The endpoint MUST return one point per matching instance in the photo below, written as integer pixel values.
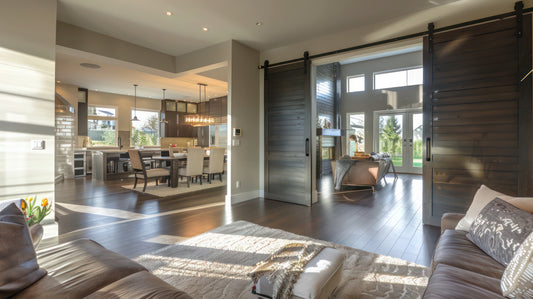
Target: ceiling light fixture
(203, 118)
(58, 81)
(135, 117)
(169, 13)
(259, 23)
(205, 29)
(163, 120)
(90, 65)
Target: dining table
(176, 162)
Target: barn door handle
(307, 147)
(428, 149)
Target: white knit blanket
(216, 265)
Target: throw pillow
(517, 280)
(499, 230)
(18, 262)
(483, 196)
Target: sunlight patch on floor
(144, 217)
(166, 239)
(116, 213)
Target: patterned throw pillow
(499, 230)
(517, 280)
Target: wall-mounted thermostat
(236, 132)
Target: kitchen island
(110, 164)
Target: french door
(399, 133)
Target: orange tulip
(44, 202)
(23, 205)
(31, 198)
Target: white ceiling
(117, 79)
(144, 22)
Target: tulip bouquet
(34, 212)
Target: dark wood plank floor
(386, 222)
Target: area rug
(215, 265)
(163, 190)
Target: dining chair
(141, 172)
(194, 166)
(216, 163)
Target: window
(356, 83)
(102, 125)
(145, 131)
(398, 78)
(356, 133)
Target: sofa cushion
(483, 196)
(18, 261)
(77, 269)
(456, 250)
(451, 282)
(139, 285)
(517, 280)
(499, 230)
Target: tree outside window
(145, 132)
(356, 126)
(390, 137)
(102, 126)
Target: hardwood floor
(386, 222)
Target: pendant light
(135, 116)
(200, 119)
(164, 120)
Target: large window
(398, 78)
(145, 131)
(356, 83)
(356, 133)
(102, 125)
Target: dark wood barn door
(288, 133)
(476, 114)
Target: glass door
(399, 133)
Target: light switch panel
(37, 145)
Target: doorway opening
(369, 108)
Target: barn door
(476, 114)
(288, 133)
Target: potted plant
(34, 211)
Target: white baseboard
(262, 193)
(237, 198)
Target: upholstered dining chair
(216, 163)
(141, 172)
(194, 166)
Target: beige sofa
(364, 173)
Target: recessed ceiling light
(90, 65)
(205, 29)
(259, 23)
(58, 81)
(169, 13)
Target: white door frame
(407, 142)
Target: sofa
(460, 268)
(84, 268)
(78, 269)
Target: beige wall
(78, 38)
(243, 107)
(27, 74)
(124, 104)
